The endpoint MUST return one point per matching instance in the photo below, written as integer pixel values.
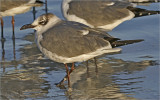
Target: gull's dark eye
(43, 22)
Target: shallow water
(131, 74)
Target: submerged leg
(3, 56)
(13, 21)
(87, 69)
(72, 68)
(14, 51)
(96, 69)
(65, 78)
(68, 76)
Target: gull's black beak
(27, 26)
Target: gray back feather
(98, 12)
(9, 4)
(65, 39)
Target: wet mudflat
(131, 74)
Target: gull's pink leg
(2, 36)
(68, 76)
(13, 21)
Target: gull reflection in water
(3, 55)
(105, 85)
(3, 62)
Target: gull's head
(43, 22)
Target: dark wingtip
(125, 42)
(27, 26)
(139, 40)
(134, 41)
(142, 12)
(38, 3)
(143, 2)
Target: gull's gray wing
(9, 4)
(98, 12)
(67, 39)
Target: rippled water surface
(131, 74)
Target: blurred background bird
(14, 7)
(103, 14)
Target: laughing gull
(69, 42)
(103, 14)
(14, 7)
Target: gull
(102, 14)
(14, 7)
(69, 42)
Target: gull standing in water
(102, 14)
(69, 42)
(14, 7)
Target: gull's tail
(124, 42)
(144, 1)
(142, 12)
(37, 3)
(116, 42)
